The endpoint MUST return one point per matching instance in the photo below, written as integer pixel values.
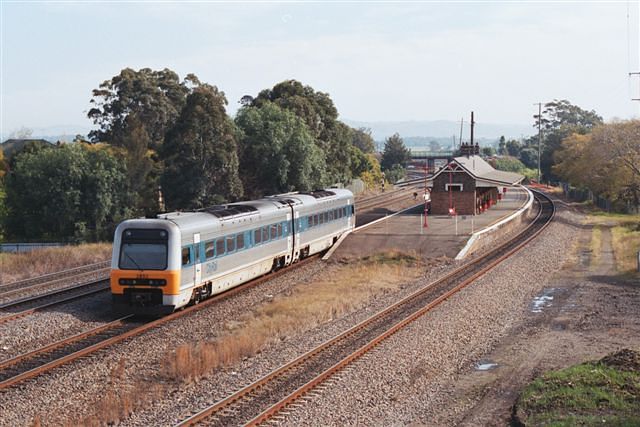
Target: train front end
(145, 267)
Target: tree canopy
(200, 154)
(395, 153)
(278, 153)
(60, 192)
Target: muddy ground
(586, 312)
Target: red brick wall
(464, 201)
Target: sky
(379, 61)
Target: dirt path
(585, 313)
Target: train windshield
(143, 250)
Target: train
(167, 262)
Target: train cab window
(231, 243)
(274, 232)
(257, 236)
(220, 247)
(186, 256)
(240, 241)
(279, 230)
(209, 249)
(265, 234)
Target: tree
(278, 153)
(155, 97)
(70, 191)
(200, 154)
(513, 148)
(395, 153)
(363, 140)
(560, 119)
(502, 146)
(488, 151)
(320, 115)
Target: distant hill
(13, 146)
(438, 129)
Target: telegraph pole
(539, 135)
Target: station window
(209, 249)
(186, 256)
(240, 241)
(220, 247)
(257, 236)
(231, 243)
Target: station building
(468, 185)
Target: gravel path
(76, 390)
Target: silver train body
(165, 263)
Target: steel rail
(456, 280)
(60, 296)
(93, 347)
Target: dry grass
(596, 245)
(626, 244)
(14, 267)
(344, 290)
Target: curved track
(264, 399)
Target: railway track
(25, 306)
(55, 278)
(266, 398)
(51, 356)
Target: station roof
(484, 174)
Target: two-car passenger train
(162, 264)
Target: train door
(196, 260)
(296, 230)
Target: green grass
(584, 394)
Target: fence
(26, 247)
(584, 194)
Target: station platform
(443, 236)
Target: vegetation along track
(44, 359)
(264, 399)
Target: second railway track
(265, 398)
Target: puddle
(485, 365)
(542, 301)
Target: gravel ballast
(417, 359)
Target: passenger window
(257, 236)
(231, 243)
(339, 213)
(186, 259)
(310, 221)
(326, 217)
(209, 250)
(274, 231)
(330, 213)
(279, 230)
(240, 241)
(197, 251)
(315, 220)
(220, 247)
(265, 234)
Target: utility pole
(539, 135)
(472, 125)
